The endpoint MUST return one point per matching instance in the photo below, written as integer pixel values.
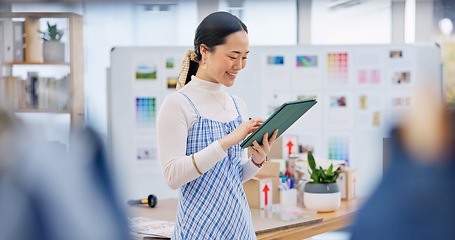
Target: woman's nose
(238, 64)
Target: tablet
(283, 118)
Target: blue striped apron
(214, 205)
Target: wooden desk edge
(299, 233)
(331, 221)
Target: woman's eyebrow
(238, 52)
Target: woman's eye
(232, 58)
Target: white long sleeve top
(175, 118)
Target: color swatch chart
(145, 111)
(306, 61)
(338, 149)
(372, 76)
(337, 67)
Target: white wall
(107, 26)
(120, 24)
(269, 22)
(366, 23)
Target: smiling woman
(200, 128)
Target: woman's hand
(240, 133)
(260, 152)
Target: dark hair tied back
(212, 31)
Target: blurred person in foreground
(416, 198)
(48, 193)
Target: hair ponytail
(191, 71)
(189, 68)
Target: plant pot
(322, 197)
(53, 51)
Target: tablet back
(286, 115)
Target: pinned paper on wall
(169, 62)
(306, 61)
(310, 141)
(337, 101)
(307, 73)
(338, 148)
(272, 101)
(370, 101)
(369, 111)
(146, 147)
(376, 118)
(265, 192)
(396, 54)
(339, 110)
(400, 101)
(313, 118)
(145, 153)
(146, 111)
(363, 103)
(401, 77)
(369, 76)
(369, 119)
(337, 68)
(145, 72)
(276, 72)
(275, 60)
(172, 82)
(397, 105)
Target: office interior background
(108, 24)
(111, 23)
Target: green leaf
(318, 174)
(311, 161)
(329, 171)
(335, 177)
(52, 33)
(315, 176)
(322, 173)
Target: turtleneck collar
(204, 85)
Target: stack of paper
(146, 227)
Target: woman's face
(225, 61)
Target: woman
(200, 128)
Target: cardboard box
(262, 189)
(284, 145)
(347, 183)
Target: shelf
(31, 110)
(33, 58)
(36, 63)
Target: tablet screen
(283, 118)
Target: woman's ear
(203, 50)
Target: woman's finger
(258, 147)
(265, 140)
(273, 137)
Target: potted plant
(321, 193)
(53, 49)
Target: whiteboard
(362, 90)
